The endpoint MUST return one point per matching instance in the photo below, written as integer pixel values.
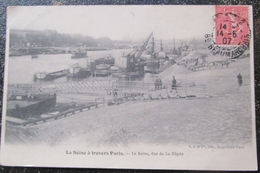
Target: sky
(116, 22)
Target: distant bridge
(137, 46)
(124, 46)
(128, 46)
(134, 46)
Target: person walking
(115, 94)
(156, 84)
(174, 84)
(239, 79)
(159, 84)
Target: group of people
(158, 84)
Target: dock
(62, 114)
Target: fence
(188, 89)
(71, 87)
(105, 87)
(134, 86)
(166, 89)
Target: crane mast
(143, 47)
(138, 54)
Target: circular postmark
(231, 34)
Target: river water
(22, 68)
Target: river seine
(22, 68)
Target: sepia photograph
(150, 87)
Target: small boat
(106, 60)
(50, 76)
(40, 75)
(79, 55)
(101, 70)
(113, 69)
(77, 71)
(102, 67)
(120, 75)
(34, 56)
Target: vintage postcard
(141, 87)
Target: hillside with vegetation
(51, 38)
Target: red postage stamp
(231, 25)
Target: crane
(134, 56)
(137, 54)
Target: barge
(50, 76)
(79, 55)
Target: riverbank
(223, 119)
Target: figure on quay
(239, 79)
(156, 86)
(160, 84)
(174, 84)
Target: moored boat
(120, 74)
(105, 60)
(77, 71)
(25, 106)
(102, 67)
(79, 55)
(113, 69)
(34, 56)
(50, 76)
